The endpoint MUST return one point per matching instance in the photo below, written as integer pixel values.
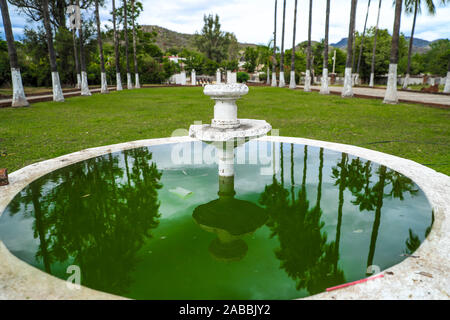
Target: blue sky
(252, 20)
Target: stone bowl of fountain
(226, 126)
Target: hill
(167, 39)
(419, 45)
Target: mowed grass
(50, 129)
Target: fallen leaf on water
(86, 195)
(426, 274)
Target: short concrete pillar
(218, 77)
(193, 78)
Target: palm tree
(116, 48)
(282, 84)
(19, 99)
(57, 91)
(137, 84)
(104, 88)
(347, 91)
(274, 62)
(414, 6)
(324, 84)
(362, 44)
(84, 80)
(372, 72)
(307, 87)
(391, 90)
(292, 83)
(125, 32)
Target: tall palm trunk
(348, 90)
(116, 49)
(362, 44)
(75, 57)
(411, 39)
(372, 68)
(391, 90)
(324, 84)
(125, 32)
(84, 80)
(292, 83)
(307, 87)
(19, 99)
(104, 87)
(282, 82)
(274, 62)
(57, 91)
(136, 71)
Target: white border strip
(19, 280)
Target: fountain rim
(408, 279)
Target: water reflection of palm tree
(93, 219)
(304, 253)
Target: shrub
(242, 77)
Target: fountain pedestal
(226, 125)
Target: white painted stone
(78, 86)
(307, 87)
(183, 78)
(84, 84)
(137, 83)
(391, 96)
(372, 78)
(406, 82)
(447, 83)
(129, 81)
(104, 88)
(57, 91)
(282, 83)
(119, 82)
(324, 89)
(218, 77)
(347, 91)
(292, 84)
(193, 78)
(274, 79)
(19, 99)
(229, 81)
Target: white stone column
(226, 160)
(292, 84)
(104, 88)
(137, 83)
(119, 82)
(347, 91)
(405, 82)
(19, 99)
(282, 83)
(57, 91)
(391, 90)
(229, 77)
(129, 81)
(218, 77)
(372, 79)
(447, 83)
(324, 89)
(274, 79)
(307, 87)
(183, 78)
(84, 84)
(193, 78)
(78, 86)
(234, 77)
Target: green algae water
(141, 226)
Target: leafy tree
(213, 42)
(251, 59)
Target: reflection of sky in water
(179, 245)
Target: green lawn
(50, 129)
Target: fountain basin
(404, 280)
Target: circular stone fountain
(301, 226)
